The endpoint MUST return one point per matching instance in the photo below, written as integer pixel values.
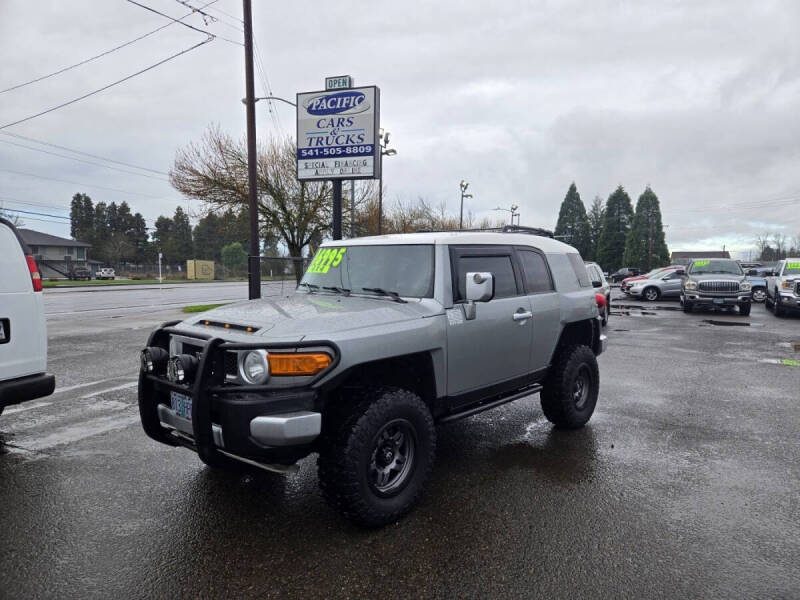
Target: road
(685, 483)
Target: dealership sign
(337, 134)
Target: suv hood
(310, 315)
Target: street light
(383, 136)
(244, 100)
(463, 185)
(513, 212)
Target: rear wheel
(570, 390)
(376, 457)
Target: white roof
(545, 244)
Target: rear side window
(537, 275)
(580, 269)
(505, 284)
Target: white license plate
(719, 301)
(181, 404)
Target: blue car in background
(757, 278)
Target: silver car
(665, 284)
(601, 286)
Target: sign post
(337, 137)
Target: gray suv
(384, 339)
(716, 282)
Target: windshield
(403, 269)
(711, 266)
(792, 267)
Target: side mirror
(479, 288)
(597, 283)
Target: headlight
(181, 368)
(690, 285)
(745, 286)
(787, 284)
(153, 360)
(254, 366)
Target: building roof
(37, 238)
(702, 254)
(545, 244)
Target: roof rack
(503, 229)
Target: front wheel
(759, 294)
(376, 457)
(651, 294)
(776, 305)
(687, 306)
(570, 390)
(744, 309)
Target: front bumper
(22, 389)
(788, 301)
(703, 299)
(261, 424)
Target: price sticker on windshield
(793, 265)
(701, 263)
(326, 259)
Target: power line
(88, 162)
(101, 55)
(42, 205)
(90, 185)
(28, 212)
(111, 160)
(105, 87)
(179, 22)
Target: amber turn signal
(298, 363)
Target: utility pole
(337, 209)
(254, 258)
(352, 208)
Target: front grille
(718, 287)
(231, 365)
(192, 349)
(797, 288)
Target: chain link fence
(273, 268)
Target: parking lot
(685, 483)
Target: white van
(23, 333)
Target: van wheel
(375, 459)
(570, 389)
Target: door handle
(522, 316)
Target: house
(55, 255)
(684, 258)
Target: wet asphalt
(685, 483)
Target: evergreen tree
(183, 248)
(645, 245)
(616, 224)
(81, 214)
(573, 225)
(595, 215)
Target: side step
(494, 403)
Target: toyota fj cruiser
(384, 338)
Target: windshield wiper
(311, 286)
(382, 292)
(337, 289)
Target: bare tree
(762, 243)
(780, 245)
(214, 170)
(15, 220)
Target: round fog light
(180, 369)
(254, 366)
(153, 360)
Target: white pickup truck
(23, 333)
(783, 287)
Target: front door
(490, 353)
(672, 284)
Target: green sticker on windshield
(325, 259)
(701, 263)
(793, 265)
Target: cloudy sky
(697, 99)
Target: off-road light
(254, 366)
(181, 368)
(153, 360)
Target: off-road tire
(348, 446)
(744, 309)
(776, 305)
(558, 397)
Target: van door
(23, 349)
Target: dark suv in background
(624, 273)
(716, 282)
(77, 273)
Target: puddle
(632, 313)
(642, 307)
(731, 323)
